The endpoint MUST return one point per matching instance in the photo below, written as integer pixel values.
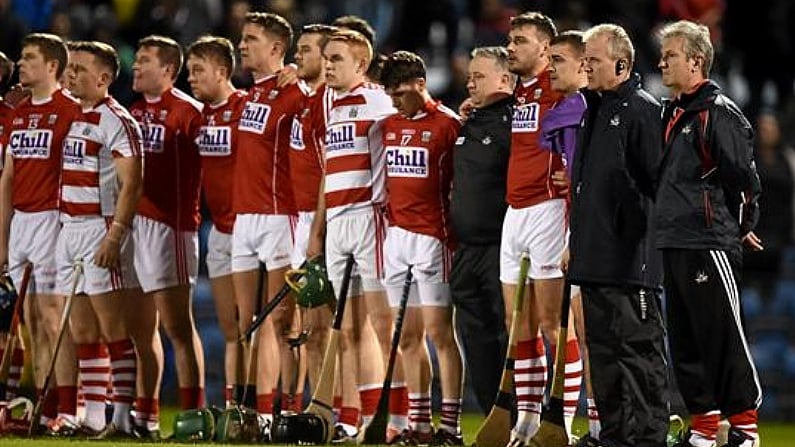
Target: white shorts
(360, 233)
(302, 229)
(219, 253)
(32, 239)
(264, 238)
(430, 262)
(164, 257)
(539, 231)
(80, 240)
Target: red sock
(531, 363)
(349, 416)
(369, 401)
(14, 372)
(265, 403)
(191, 397)
(745, 422)
(147, 412)
(573, 381)
(705, 426)
(297, 403)
(49, 408)
(67, 400)
(450, 419)
(399, 400)
(94, 375)
(419, 411)
(123, 370)
(229, 394)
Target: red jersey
(306, 144)
(6, 115)
(419, 167)
(90, 183)
(172, 168)
(530, 167)
(35, 142)
(218, 146)
(262, 177)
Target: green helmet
(194, 425)
(312, 287)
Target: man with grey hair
(706, 211)
(612, 257)
(480, 169)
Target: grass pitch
(774, 434)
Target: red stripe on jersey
(81, 209)
(357, 162)
(350, 100)
(80, 178)
(348, 196)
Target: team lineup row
(318, 159)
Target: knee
(382, 322)
(411, 341)
(442, 337)
(179, 330)
(349, 338)
(282, 318)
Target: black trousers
(711, 358)
(480, 317)
(625, 336)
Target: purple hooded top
(559, 127)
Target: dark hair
(6, 69)
(540, 21)
(323, 30)
(168, 51)
(273, 24)
(358, 24)
(51, 47)
(218, 49)
(400, 67)
(572, 38)
(103, 53)
(376, 65)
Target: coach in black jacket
(612, 256)
(480, 172)
(706, 208)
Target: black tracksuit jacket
(481, 169)
(618, 151)
(708, 185)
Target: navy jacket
(618, 151)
